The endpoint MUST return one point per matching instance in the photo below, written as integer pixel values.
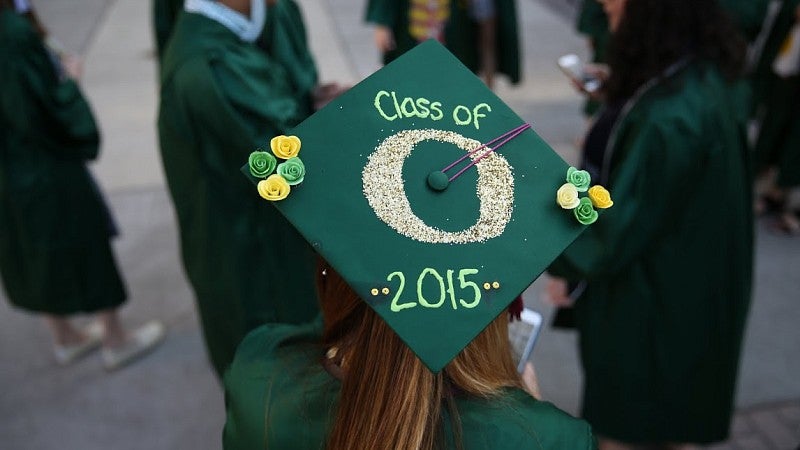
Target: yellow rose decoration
(285, 147)
(600, 197)
(274, 188)
(567, 196)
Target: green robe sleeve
(592, 19)
(384, 12)
(286, 41)
(59, 105)
(230, 110)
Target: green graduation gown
(668, 266)
(286, 42)
(778, 100)
(461, 33)
(165, 13)
(284, 39)
(747, 15)
(593, 23)
(278, 396)
(55, 255)
(221, 98)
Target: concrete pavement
(170, 400)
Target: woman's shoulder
(17, 36)
(517, 420)
(686, 104)
(697, 88)
(263, 342)
(273, 380)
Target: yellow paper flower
(274, 188)
(567, 196)
(285, 147)
(600, 197)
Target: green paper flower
(261, 164)
(292, 170)
(580, 178)
(585, 212)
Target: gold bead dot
(496, 285)
(487, 286)
(385, 291)
(374, 291)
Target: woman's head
(650, 35)
(384, 379)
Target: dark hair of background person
(655, 34)
(389, 399)
(31, 15)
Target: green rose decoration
(292, 170)
(261, 164)
(585, 212)
(580, 178)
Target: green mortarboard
(435, 253)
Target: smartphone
(523, 334)
(574, 68)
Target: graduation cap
(429, 196)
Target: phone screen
(523, 334)
(573, 67)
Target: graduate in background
(669, 268)
(481, 33)
(221, 97)
(284, 39)
(55, 254)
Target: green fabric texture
(55, 255)
(278, 396)
(461, 33)
(285, 40)
(669, 267)
(221, 98)
(165, 13)
(593, 23)
(748, 15)
(385, 228)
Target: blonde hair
(389, 399)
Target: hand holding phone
(523, 334)
(575, 69)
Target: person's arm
(488, 44)
(55, 107)
(384, 15)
